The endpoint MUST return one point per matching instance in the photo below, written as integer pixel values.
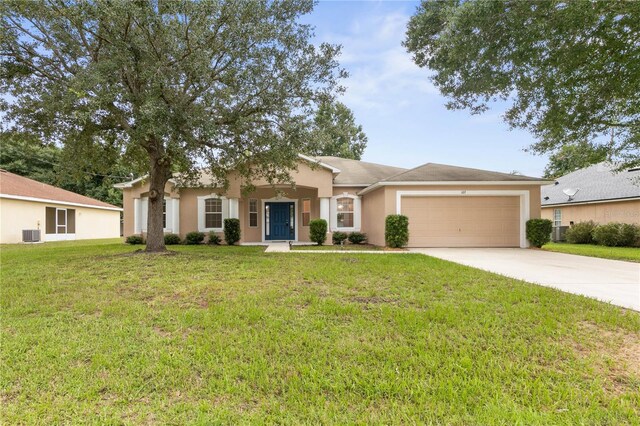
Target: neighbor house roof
(595, 183)
(433, 172)
(22, 188)
(359, 173)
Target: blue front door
(279, 221)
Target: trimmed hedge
(396, 230)
(629, 235)
(318, 231)
(232, 231)
(339, 237)
(617, 234)
(214, 239)
(539, 231)
(581, 233)
(172, 239)
(357, 238)
(134, 240)
(194, 238)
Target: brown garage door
(463, 221)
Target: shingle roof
(596, 183)
(357, 172)
(433, 172)
(20, 186)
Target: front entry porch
(280, 220)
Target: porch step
(277, 247)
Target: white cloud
(382, 75)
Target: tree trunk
(158, 177)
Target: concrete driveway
(612, 281)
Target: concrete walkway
(612, 281)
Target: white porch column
(324, 210)
(233, 208)
(175, 215)
(137, 213)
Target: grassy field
(346, 247)
(230, 335)
(631, 254)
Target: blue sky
(401, 112)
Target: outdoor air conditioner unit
(558, 232)
(30, 235)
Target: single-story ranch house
(447, 206)
(594, 193)
(53, 213)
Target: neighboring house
(26, 204)
(447, 206)
(602, 196)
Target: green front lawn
(232, 335)
(631, 254)
(346, 247)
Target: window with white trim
(213, 213)
(164, 213)
(306, 211)
(557, 217)
(345, 212)
(253, 212)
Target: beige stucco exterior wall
(619, 211)
(16, 215)
(373, 216)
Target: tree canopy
(26, 156)
(570, 158)
(171, 86)
(336, 132)
(570, 70)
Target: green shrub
(338, 237)
(134, 239)
(607, 235)
(581, 233)
(214, 239)
(193, 238)
(396, 230)
(617, 234)
(539, 231)
(629, 235)
(232, 231)
(318, 231)
(171, 239)
(357, 238)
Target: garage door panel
(487, 221)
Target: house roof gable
(595, 183)
(20, 187)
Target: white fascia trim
(578, 203)
(295, 216)
(524, 202)
(130, 184)
(320, 163)
(454, 183)
(64, 203)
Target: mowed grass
(231, 335)
(346, 247)
(631, 254)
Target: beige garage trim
(480, 219)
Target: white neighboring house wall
(17, 215)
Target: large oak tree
(174, 86)
(569, 68)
